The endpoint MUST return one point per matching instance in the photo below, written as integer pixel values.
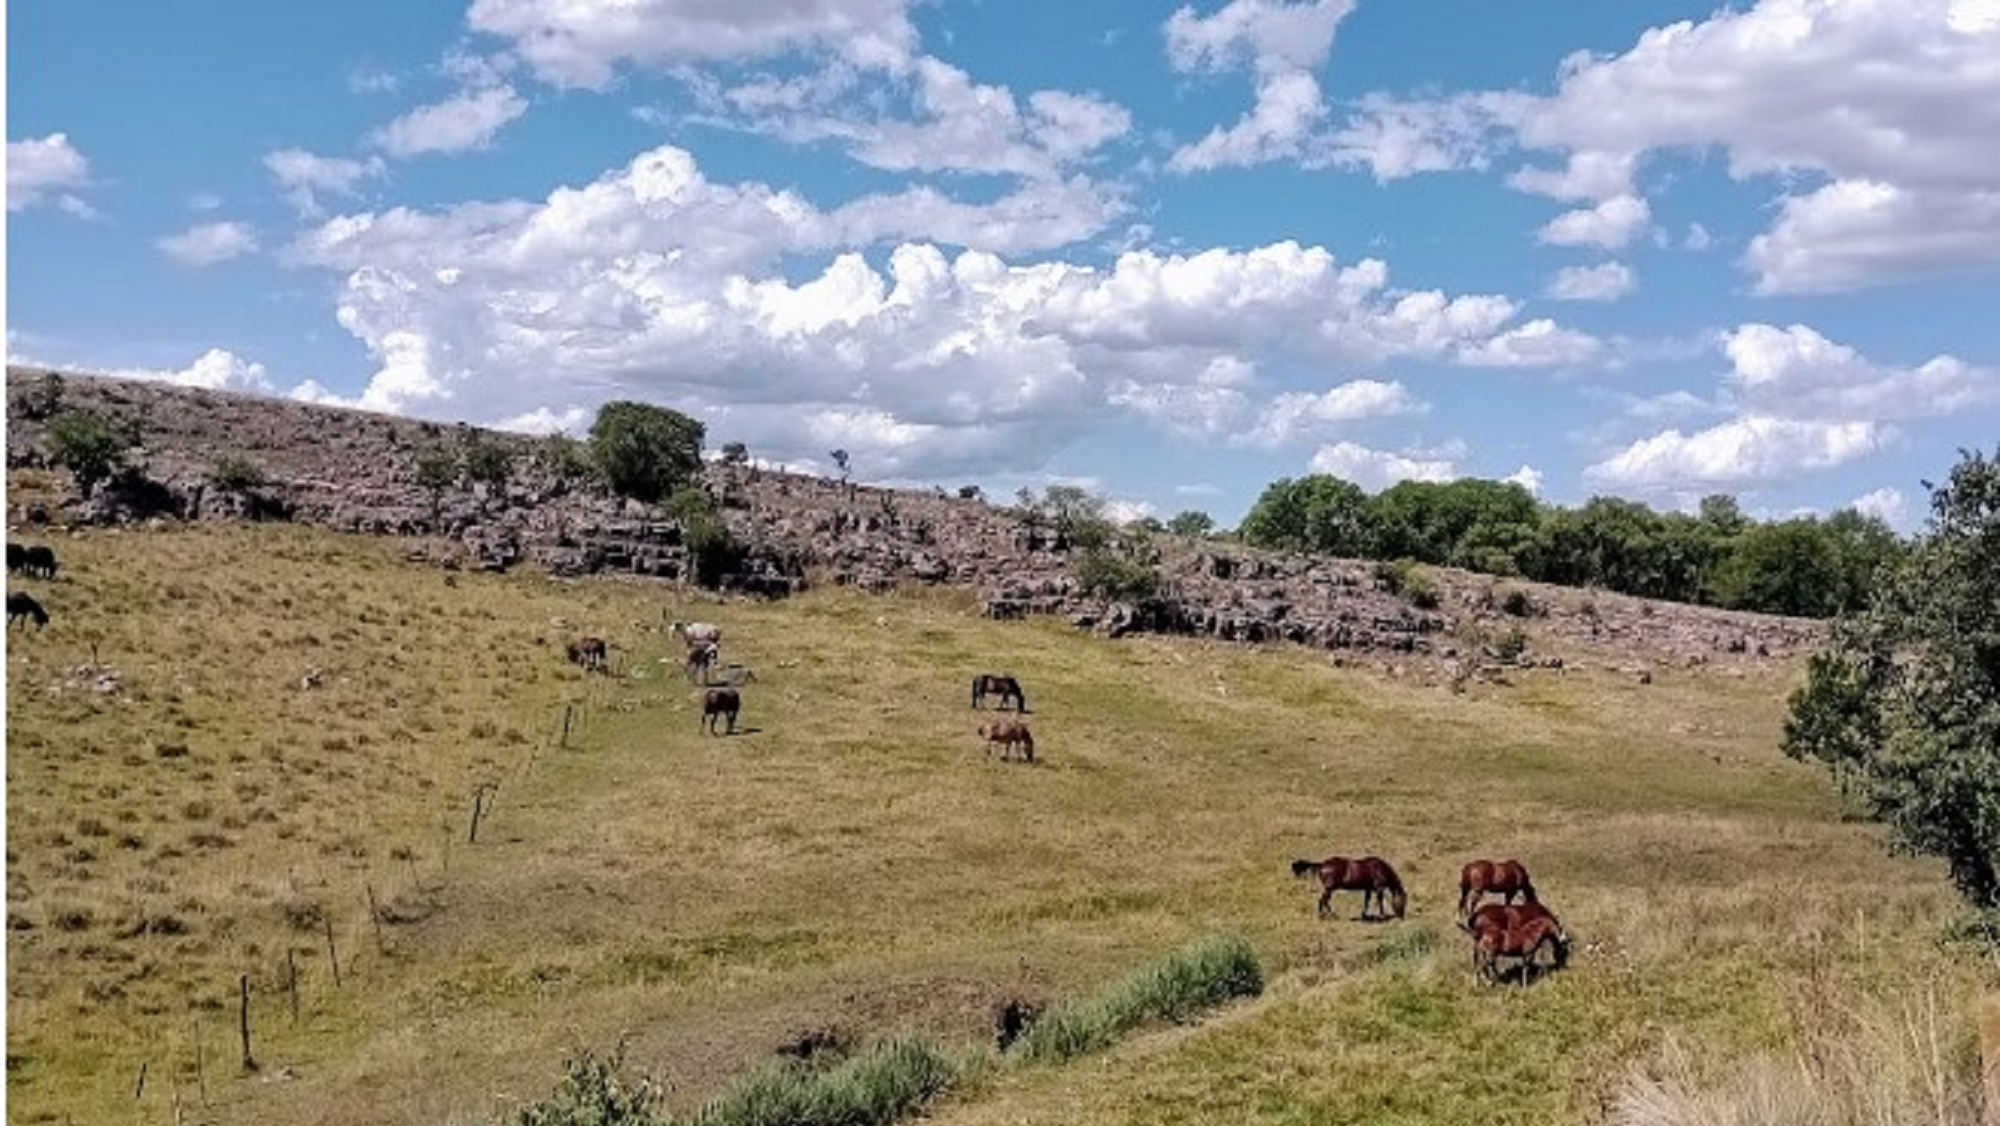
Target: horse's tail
(1304, 867)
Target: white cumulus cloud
(205, 244)
(466, 120)
(1606, 281)
(46, 170)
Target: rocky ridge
(356, 471)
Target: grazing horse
(20, 605)
(720, 702)
(701, 661)
(1008, 734)
(1505, 878)
(590, 652)
(998, 684)
(1370, 875)
(1521, 931)
(38, 560)
(696, 633)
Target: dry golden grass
(854, 860)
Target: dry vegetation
(854, 865)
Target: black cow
(39, 561)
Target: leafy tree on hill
(1319, 513)
(645, 452)
(1905, 700)
(1191, 524)
(89, 445)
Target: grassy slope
(855, 860)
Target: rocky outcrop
(357, 472)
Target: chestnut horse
(1523, 931)
(1505, 878)
(1370, 875)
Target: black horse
(996, 684)
(23, 606)
(38, 560)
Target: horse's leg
(1326, 901)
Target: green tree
(1318, 512)
(1905, 699)
(90, 446)
(486, 461)
(1784, 567)
(712, 550)
(645, 452)
(437, 470)
(1191, 524)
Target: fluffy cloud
(1886, 504)
(209, 243)
(1754, 449)
(1378, 469)
(580, 43)
(1300, 416)
(1281, 43)
(1606, 281)
(1611, 225)
(466, 120)
(215, 370)
(654, 280)
(46, 170)
(1802, 374)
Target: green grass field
(854, 862)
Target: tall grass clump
(889, 1081)
(593, 1092)
(1183, 986)
(1885, 1067)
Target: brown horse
(1008, 734)
(1505, 878)
(1523, 931)
(1370, 875)
(590, 652)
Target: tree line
(1807, 566)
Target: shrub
(486, 461)
(1182, 987)
(712, 550)
(89, 445)
(237, 474)
(593, 1093)
(1517, 604)
(884, 1084)
(1408, 578)
(1101, 574)
(566, 459)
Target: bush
(90, 446)
(237, 474)
(1408, 578)
(1101, 574)
(712, 550)
(888, 1082)
(1517, 604)
(486, 461)
(645, 452)
(566, 459)
(1187, 984)
(592, 1093)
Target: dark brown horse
(1504, 878)
(721, 703)
(1521, 930)
(1370, 875)
(998, 684)
(590, 652)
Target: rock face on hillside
(356, 472)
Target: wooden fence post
(375, 913)
(332, 955)
(292, 983)
(249, 1061)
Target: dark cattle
(1370, 875)
(1522, 931)
(720, 702)
(22, 606)
(39, 561)
(996, 684)
(590, 652)
(17, 557)
(1008, 734)
(1505, 878)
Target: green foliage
(882, 1085)
(592, 1093)
(89, 445)
(237, 474)
(1408, 578)
(1316, 513)
(643, 451)
(1906, 698)
(437, 470)
(1186, 984)
(486, 461)
(1113, 577)
(565, 458)
(1191, 524)
(712, 550)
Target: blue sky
(1171, 252)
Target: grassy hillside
(853, 862)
